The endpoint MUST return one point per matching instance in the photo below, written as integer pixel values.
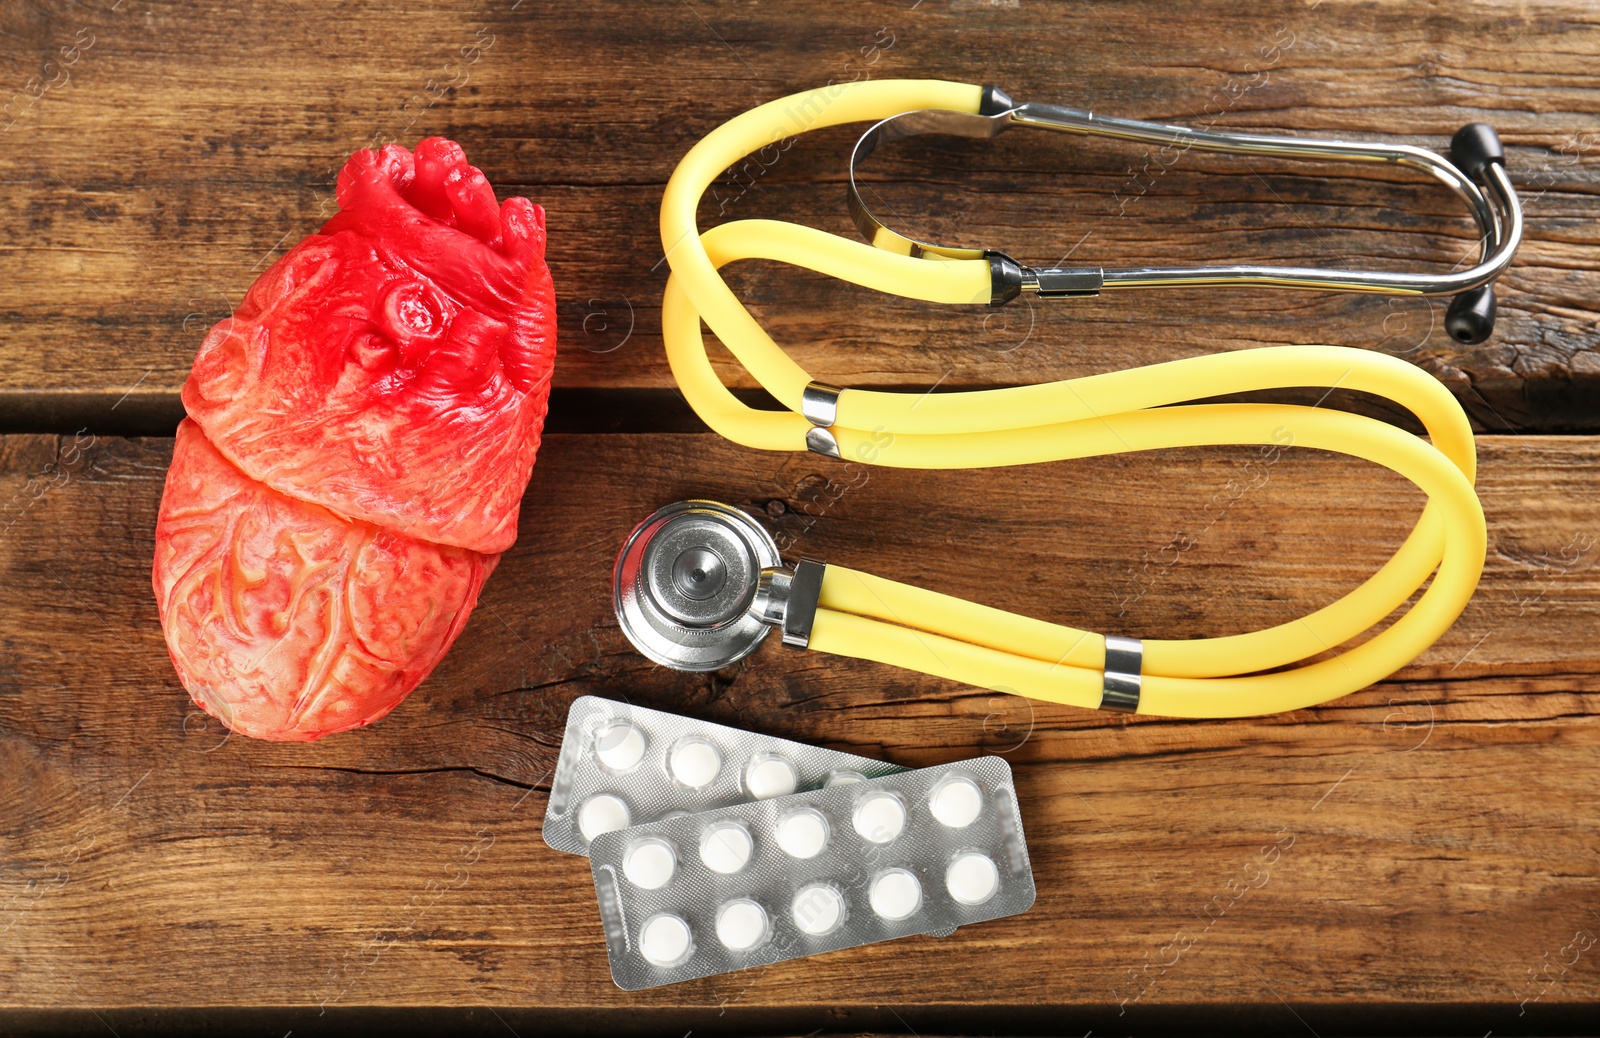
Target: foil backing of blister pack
(648, 787)
(705, 909)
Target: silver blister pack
(919, 852)
(622, 764)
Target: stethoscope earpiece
(1470, 316)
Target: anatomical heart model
(359, 437)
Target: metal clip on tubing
(1475, 153)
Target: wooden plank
(159, 174)
(1435, 834)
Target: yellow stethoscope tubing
(737, 138)
(1015, 409)
(697, 292)
(1026, 424)
(873, 618)
(1147, 387)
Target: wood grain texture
(1437, 835)
(154, 176)
(1437, 832)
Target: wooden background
(1441, 831)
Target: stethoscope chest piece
(685, 581)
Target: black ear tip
(1474, 146)
(1470, 317)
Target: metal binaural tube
(1494, 207)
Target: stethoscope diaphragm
(685, 582)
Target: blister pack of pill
(622, 765)
(918, 852)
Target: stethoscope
(699, 585)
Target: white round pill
(694, 762)
(741, 924)
(817, 909)
(649, 863)
(664, 940)
(726, 847)
(896, 894)
(770, 776)
(803, 833)
(956, 802)
(842, 778)
(879, 817)
(972, 878)
(619, 746)
(602, 813)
